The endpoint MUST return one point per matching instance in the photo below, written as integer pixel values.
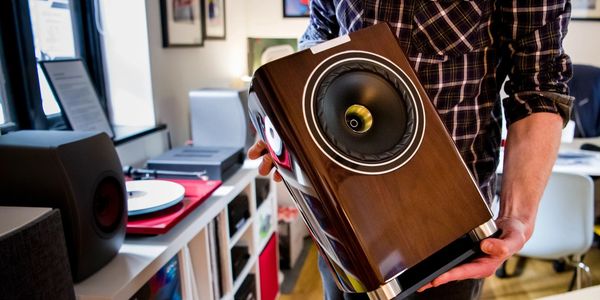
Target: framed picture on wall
(585, 10)
(182, 23)
(214, 19)
(295, 8)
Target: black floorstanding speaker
(33, 256)
(78, 173)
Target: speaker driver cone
(108, 205)
(360, 97)
(364, 113)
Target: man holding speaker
(462, 52)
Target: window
(3, 97)
(53, 38)
(5, 114)
(35, 30)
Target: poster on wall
(264, 50)
(295, 8)
(585, 9)
(182, 22)
(214, 19)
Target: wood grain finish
(385, 223)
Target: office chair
(564, 227)
(585, 88)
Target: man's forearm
(530, 152)
(531, 149)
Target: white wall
(176, 71)
(264, 18)
(125, 41)
(221, 63)
(582, 42)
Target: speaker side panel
(32, 177)
(95, 179)
(324, 224)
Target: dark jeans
(458, 290)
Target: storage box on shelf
(203, 245)
(268, 259)
(269, 270)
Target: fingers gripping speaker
(364, 112)
(369, 164)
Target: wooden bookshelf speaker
(371, 167)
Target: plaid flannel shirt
(462, 52)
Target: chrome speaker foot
(483, 231)
(388, 291)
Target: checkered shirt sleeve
(533, 32)
(462, 51)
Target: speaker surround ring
(386, 158)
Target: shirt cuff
(524, 104)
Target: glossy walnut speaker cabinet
(376, 177)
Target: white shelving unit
(141, 257)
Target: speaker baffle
(364, 112)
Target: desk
(571, 159)
(578, 161)
(588, 166)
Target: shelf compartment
(250, 265)
(240, 232)
(238, 213)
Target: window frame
(8, 123)
(24, 96)
(91, 52)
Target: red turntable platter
(196, 191)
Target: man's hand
(531, 148)
(496, 251)
(260, 149)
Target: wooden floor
(537, 280)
